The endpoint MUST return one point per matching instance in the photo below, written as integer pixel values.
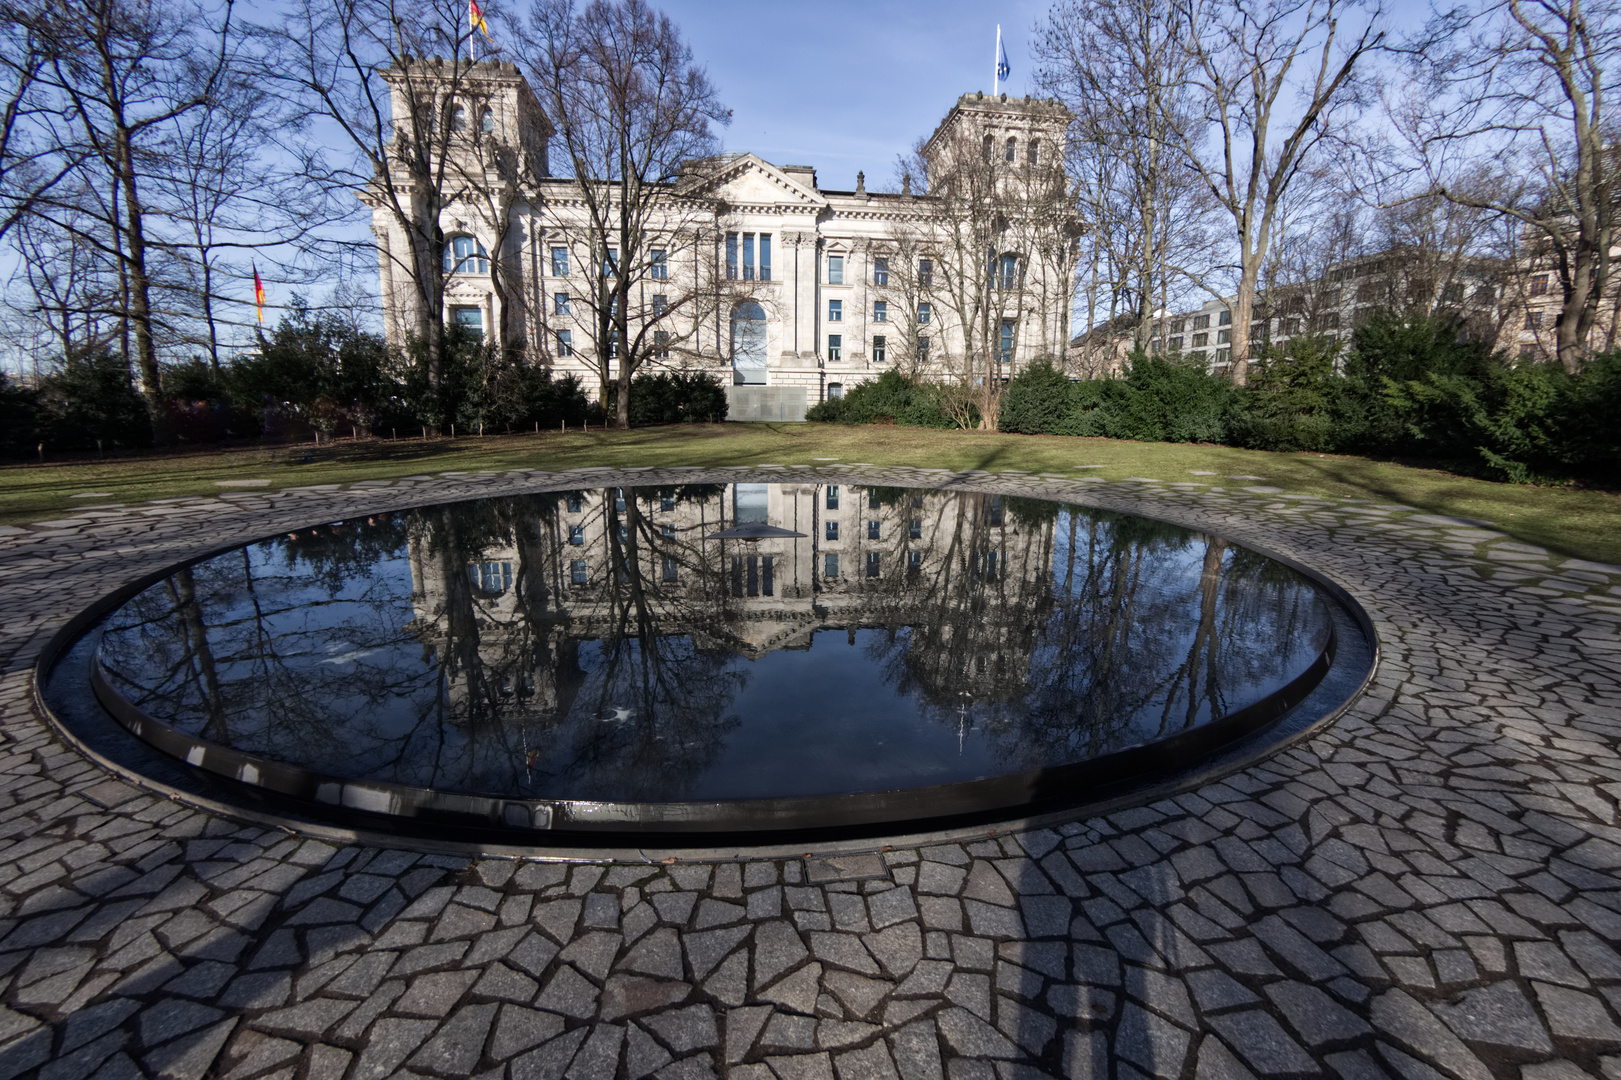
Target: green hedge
(891, 398)
(673, 397)
(1404, 386)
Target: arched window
(1004, 270)
(458, 118)
(1012, 152)
(465, 255)
(1033, 152)
(486, 121)
(990, 147)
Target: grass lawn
(1581, 523)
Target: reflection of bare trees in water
(1095, 634)
(240, 649)
(657, 686)
(589, 644)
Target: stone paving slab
(1428, 888)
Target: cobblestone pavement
(1427, 888)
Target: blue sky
(845, 85)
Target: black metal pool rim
(398, 807)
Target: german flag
(475, 20)
(258, 293)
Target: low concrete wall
(779, 403)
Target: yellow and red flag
(475, 20)
(258, 293)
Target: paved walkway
(1428, 888)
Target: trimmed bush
(675, 397)
(1035, 401)
(1295, 400)
(891, 398)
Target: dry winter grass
(1576, 522)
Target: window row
(1010, 150)
(658, 263)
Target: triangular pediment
(746, 180)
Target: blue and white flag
(1002, 68)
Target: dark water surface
(602, 644)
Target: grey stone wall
(781, 403)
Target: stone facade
(767, 278)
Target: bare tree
(635, 118)
(1245, 70)
(112, 83)
(377, 121)
(1521, 86)
(999, 211)
(1124, 71)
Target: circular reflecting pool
(728, 657)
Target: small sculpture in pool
(606, 644)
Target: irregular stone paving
(1429, 888)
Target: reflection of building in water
(957, 579)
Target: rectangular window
(830, 565)
(835, 269)
(923, 350)
(1539, 285)
(470, 317)
(880, 311)
(658, 265)
(925, 272)
(880, 354)
(872, 530)
(835, 348)
(832, 496)
(1200, 339)
(731, 256)
(1223, 355)
(835, 311)
(619, 499)
(872, 564)
(1452, 294)
(560, 262)
(661, 344)
(1226, 319)
(577, 572)
(1533, 319)
(610, 265)
(560, 304)
(576, 535)
(748, 256)
(832, 530)
(915, 529)
(672, 569)
(914, 562)
(995, 512)
(1178, 325)
(661, 304)
(765, 256)
(1528, 352)
(835, 390)
(667, 531)
(1223, 336)
(1201, 322)
(666, 501)
(880, 271)
(1175, 344)
(575, 502)
(565, 343)
(1005, 346)
(924, 313)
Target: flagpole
(996, 62)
